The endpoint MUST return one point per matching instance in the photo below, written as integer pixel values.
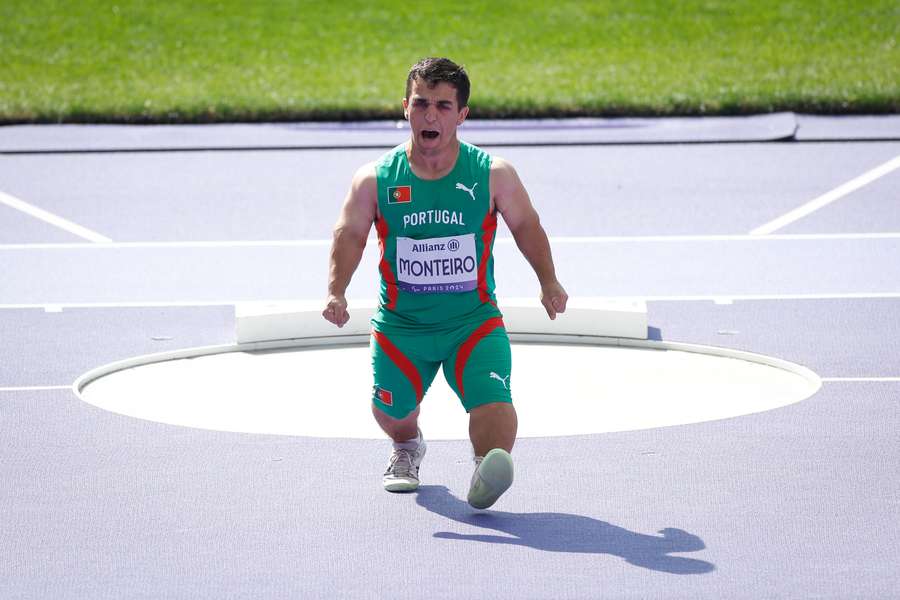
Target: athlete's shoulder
(501, 164)
(391, 157)
(365, 179)
(476, 156)
(473, 150)
(361, 204)
(502, 170)
(506, 187)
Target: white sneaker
(493, 475)
(402, 474)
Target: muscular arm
(512, 202)
(349, 240)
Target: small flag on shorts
(399, 194)
(385, 396)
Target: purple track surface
(797, 502)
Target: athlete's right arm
(349, 240)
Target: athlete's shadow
(561, 532)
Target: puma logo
(502, 380)
(471, 190)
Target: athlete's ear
(406, 108)
(462, 115)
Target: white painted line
(503, 240)
(139, 304)
(55, 220)
(717, 298)
(827, 198)
(175, 245)
(861, 379)
(36, 388)
(802, 237)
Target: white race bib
(437, 265)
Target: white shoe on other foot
(492, 476)
(402, 474)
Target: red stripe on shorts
(465, 350)
(386, 273)
(489, 228)
(403, 363)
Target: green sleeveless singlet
(436, 239)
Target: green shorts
(476, 360)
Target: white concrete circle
(557, 389)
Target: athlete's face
(433, 114)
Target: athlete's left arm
(512, 201)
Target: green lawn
(227, 60)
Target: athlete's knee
(394, 414)
(493, 406)
(489, 405)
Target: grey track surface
(650, 269)
(291, 195)
(797, 502)
(37, 139)
(376, 134)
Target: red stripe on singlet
(489, 228)
(466, 349)
(403, 363)
(384, 267)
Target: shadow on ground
(561, 532)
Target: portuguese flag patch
(399, 194)
(385, 396)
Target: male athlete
(434, 202)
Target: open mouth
(430, 134)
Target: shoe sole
(400, 486)
(495, 475)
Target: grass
(231, 60)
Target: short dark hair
(435, 70)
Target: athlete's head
(437, 91)
(433, 71)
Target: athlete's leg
(401, 380)
(493, 425)
(492, 428)
(481, 372)
(399, 430)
